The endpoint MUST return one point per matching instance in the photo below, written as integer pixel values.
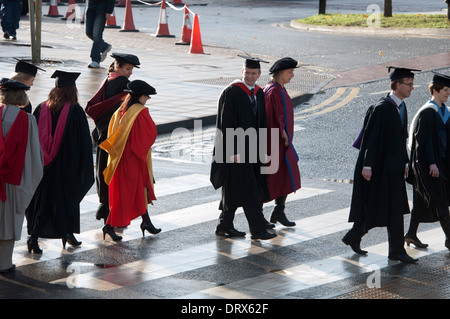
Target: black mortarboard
(442, 79)
(400, 73)
(140, 87)
(129, 58)
(252, 62)
(12, 85)
(25, 67)
(64, 78)
(283, 64)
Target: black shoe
(228, 233)
(150, 228)
(269, 225)
(404, 258)
(70, 238)
(107, 229)
(415, 241)
(263, 235)
(6, 35)
(32, 244)
(355, 246)
(282, 219)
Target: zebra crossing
(270, 281)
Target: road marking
(353, 93)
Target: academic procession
(50, 156)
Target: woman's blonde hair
(13, 97)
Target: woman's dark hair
(59, 96)
(130, 99)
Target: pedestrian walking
(280, 116)
(97, 13)
(430, 162)
(25, 73)
(54, 211)
(241, 108)
(21, 166)
(129, 173)
(379, 196)
(100, 108)
(10, 12)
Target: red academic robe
(280, 115)
(131, 179)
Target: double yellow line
(322, 106)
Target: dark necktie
(402, 110)
(253, 101)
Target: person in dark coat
(54, 211)
(100, 108)
(236, 166)
(379, 197)
(430, 162)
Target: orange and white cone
(163, 27)
(177, 2)
(71, 12)
(53, 10)
(196, 38)
(128, 24)
(187, 28)
(111, 22)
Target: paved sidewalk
(187, 85)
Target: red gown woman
(131, 134)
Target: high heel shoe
(415, 241)
(107, 229)
(150, 228)
(32, 244)
(70, 238)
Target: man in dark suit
(379, 196)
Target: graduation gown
(280, 116)
(383, 148)
(239, 181)
(431, 194)
(54, 210)
(129, 171)
(19, 193)
(100, 108)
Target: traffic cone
(121, 3)
(111, 22)
(177, 2)
(71, 13)
(187, 28)
(196, 38)
(163, 27)
(53, 10)
(128, 24)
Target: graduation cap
(128, 58)
(64, 78)
(140, 87)
(252, 62)
(283, 64)
(400, 73)
(12, 85)
(25, 67)
(442, 79)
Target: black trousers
(253, 211)
(395, 229)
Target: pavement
(188, 86)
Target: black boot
(32, 244)
(107, 229)
(278, 214)
(147, 225)
(354, 243)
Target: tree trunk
(322, 6)
(387, 8)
